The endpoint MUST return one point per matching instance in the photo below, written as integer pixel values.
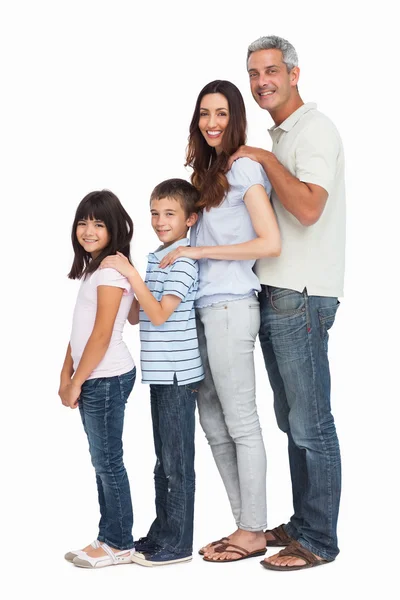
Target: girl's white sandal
(71, 555)
(111, 558)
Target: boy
(171, 364)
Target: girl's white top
(117, 359)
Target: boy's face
(169, 220)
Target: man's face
(271, 84)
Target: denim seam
(116, 487)
(239, 413)
(253, 502)
(318, 420)
(182, 462)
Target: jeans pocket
(218, 306)
(326, 316)
(254, 319)
(192, 389)
(126, 383)
(288, 302)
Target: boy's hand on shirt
(180, 252)
(119, 262)
(69, 394)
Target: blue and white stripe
(171, 348)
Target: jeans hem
(321, 553)
(186, 551)
(252, 529)
(290, 530)
(119, 548)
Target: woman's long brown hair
(209, 167)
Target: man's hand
(180, 252)
(120, 263)
(69, 394)
(256, 154)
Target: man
(299, 298)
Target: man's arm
(305, 201)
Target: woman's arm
(267, 242)
(108, 302)
(158, 312)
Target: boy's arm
(158, 312)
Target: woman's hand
(180, 252)
(119, 262)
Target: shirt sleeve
(246, 173)
(113, 278)
(181, 278)
(317, 153)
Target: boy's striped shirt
(171, 348)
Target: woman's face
(214, 119)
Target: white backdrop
(100, 94)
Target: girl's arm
(158, 312)
(133, 316)
(67, 369)
(267, 242)
(66, 373)
(108, 302)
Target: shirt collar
(292, 119)
(162, 251)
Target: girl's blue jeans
(102, 407)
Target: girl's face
(214, 119)
(92, 235)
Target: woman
(237, 225)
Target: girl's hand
(69, 394)
(180, 252)
(119, 262)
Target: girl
(237, 226)
(98, 371)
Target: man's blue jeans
(294, 340)
(102, 407)
(173, 414)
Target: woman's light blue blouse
(229, 223)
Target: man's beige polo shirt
(309, 146)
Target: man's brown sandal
(295, 550)
(281, 538)
(242, 552)
(224, 539)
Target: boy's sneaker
(145, 544)
(159, 558)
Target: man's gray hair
(273, 42)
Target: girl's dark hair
(209, 167)
(102, 206)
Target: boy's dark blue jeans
(173, 415)
(102, 408)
